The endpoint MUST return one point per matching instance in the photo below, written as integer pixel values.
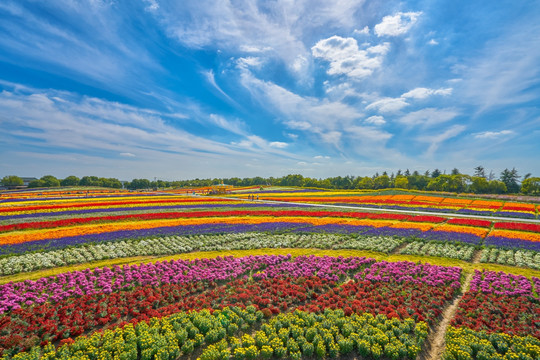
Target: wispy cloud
(429, 117)
(388, 105)
(398, 24)
(422, 93)
(493, 134)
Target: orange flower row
(412, 225)
(462, 229)
(516, 235)
(454, 201)
(33, 235)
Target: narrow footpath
(437, 339)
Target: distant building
(27, 180)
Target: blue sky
(186, 89)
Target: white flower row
(522, 258)
(449, 250)
(169, 245)
(384, 244)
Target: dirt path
(437, 339)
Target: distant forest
(509, 181)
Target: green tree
(292, 180)
(510, 179)
(401, 182)
(36, 184)
(497, 187)
(12, 180)
(479, 171)
(136, 184)
(479, 185)
(365, 183)
(531, 186)
(50, 181)
(90, 181)
(440, 183)
(70, 181)
(455, 171)
(381, 182)
(435, 173)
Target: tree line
(509, 181)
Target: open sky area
(186, 89)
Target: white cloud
(433, 42)
(493, 134)
(210, 77)
(332, 137)
(127, 154)
(388, 105)
(234, 126)
(321, 157)
(436, 140)
(364, 31)
(278, 144)
(254, 49)
(375, 120)
(277, 28)
(422, 93)
(346, 58)
(394, 25)
(250, 61)
(429, 116)
(152, 5)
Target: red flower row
(71, 317)
(519, 315)
(427, 218)
(470, 222)
(518, 226)
(196, 214)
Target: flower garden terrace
(151, 276)
(421, 201)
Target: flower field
(134, 306)
(434, 203)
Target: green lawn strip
(466, 266)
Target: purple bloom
(500, 283)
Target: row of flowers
(108, 280)
(408, 201)
(169, 245)
(107, 203)
(398, 290)
(224, 334)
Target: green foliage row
(467, 344)
(478, 183)
(160, 339)
(328, 335)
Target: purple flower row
(450, 236)
(500, 283)
(50, 244)
(405, 271)
(515, 214)
(503, 242)
(108, 280)
(326, 267)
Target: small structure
(221, 188)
